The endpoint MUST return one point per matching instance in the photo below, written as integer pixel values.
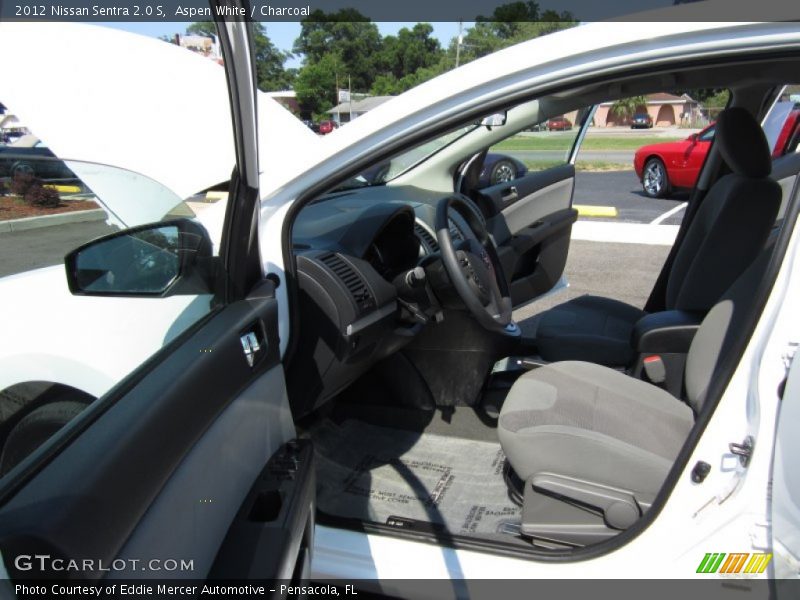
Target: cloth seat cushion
(594, 423)
(588, 328)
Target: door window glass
(103, 264)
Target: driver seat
(594, 445)
(729, 230)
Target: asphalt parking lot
(623, 191)
(36, 248)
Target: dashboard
(357, 302)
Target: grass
(581, 165)
(564, 143)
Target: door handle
(510, 195)
(251, 347)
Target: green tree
(270, 72)
(409, 51)
(510, 24)
(346, 33)
(717, 100)
(408, 59)
(627, 107)
(315, 85)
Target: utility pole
(350, 98)
(338, 112)
(458, 42)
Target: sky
(284, 34)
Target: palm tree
(625, 108)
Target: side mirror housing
(169, 258)
(692, 138)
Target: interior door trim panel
(274, 529)
(532, 231)
(532, 183)
(206, 490)
(127, 457)
(536, 206)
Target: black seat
(729, 230)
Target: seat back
(719, 329)
(733, 222)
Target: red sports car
(663, 168)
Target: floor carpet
(376, 473)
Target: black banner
(394, 11)
(712, 588)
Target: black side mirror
(160, 259)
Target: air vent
(426, 238)
(351, 279)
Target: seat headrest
(742, 143)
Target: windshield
(388, 170)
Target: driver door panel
(531, 223)
(169, 459)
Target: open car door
(531, 216)
(188, 467)
(785, 517)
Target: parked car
(500, 168)
(641, 121)
(559, 124)
(789, 136)
(665, 167)
(326, 127)
(27, 155)
(672, 166)
(299, 384)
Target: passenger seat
(727, 233)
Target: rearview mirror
(161, 259)
(495, 120)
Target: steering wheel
(474, 267)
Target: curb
(78, 216)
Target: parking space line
(624, 233)
(585, 210)
(661, 218)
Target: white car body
(727, 513)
